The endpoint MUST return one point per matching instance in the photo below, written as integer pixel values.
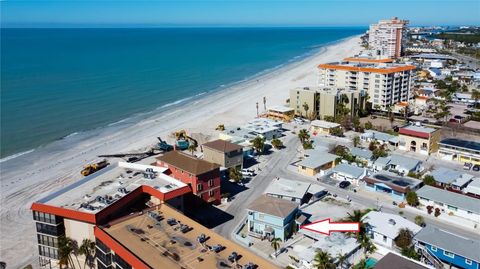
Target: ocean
(56, 83)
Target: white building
(388, 37)
(350, 173)
(383, 228)
(295, 191)
(450, 202)
(386, 83)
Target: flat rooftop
(101, 189)
(416, 128)
(395, 182)
(287, 187)
(161, 245)
(384, 68)
(460, 143)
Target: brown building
(202, 176)
(223, 153)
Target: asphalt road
(471, 62)
(277, 164)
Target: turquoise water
(58, 82)
(370, 262)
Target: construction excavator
(182, 140)
(94, 167)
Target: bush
(412, 198)
(429, 209)
(437, 212)
(419, 220)
(429, 180)
(368, 125)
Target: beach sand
(32, 176)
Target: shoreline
(32, 176)
(318, 49)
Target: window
(119, 261)
(469, 262)
(210, 183)
(48, 252)
(47, 240)
(452, 208)
(448, 254)
(384, 238)
(434, 249)
(211, 193)
(199, 187)
(47, 229)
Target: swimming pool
(370, 262)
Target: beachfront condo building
(388, 37)
(130, 216)
(385, 83)
(202, 176)
(324, 102)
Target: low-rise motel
(386, 83)
(132, 213)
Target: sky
(109, 13)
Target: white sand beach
(32, 176)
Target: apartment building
(385, 83)
(388, 37)
(223, 153)
(324, 101)
(419, 139)
(203, 177)
(76, 210)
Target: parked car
(344, 184)
(248, 174)
(467, 166)
(476, 168)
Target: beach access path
(30, 177)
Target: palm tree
(366, 244)
(357, 216)
(356, 140)
(303, 135)
(264, 103)
(323, 260)
(234, 174)
(341, 259)
(275, 245)
(276, 143)
(192, 148)
(362, 264)
(306, 108)
(258, 144)
(65, 249)
(87, 249)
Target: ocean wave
(16, 155)
(176, 102)
(118, 122)
(70, 135)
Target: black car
(476, 168)
(344, 184)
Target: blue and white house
(270, 217)
(398, 163)
(449, 248)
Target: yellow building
(419, 139)
(316, 162)
(322, 127)
(281, 113)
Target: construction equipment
(162, 145)
(132, 157)
(94, 167)
(182, 140)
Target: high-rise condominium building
(388, 37)
(386, 83)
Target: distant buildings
(316, 162)
(322, 127)
(324, 101)
(223, 153)
(398, 163)
(203, 177)
(460, 150)
(450, 202)
(449, 248)
(419, 139)
(270, 217)
(388, 37)
(383, 228)
(449, 178)
(389, 183)
(348, 172)
(386, 83)
(295, 191)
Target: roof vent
(391, 222)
